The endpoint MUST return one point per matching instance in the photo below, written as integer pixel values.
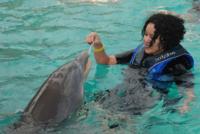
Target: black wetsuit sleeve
(125, 57)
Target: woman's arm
(99, 51)
(189, 97)
(185, 82)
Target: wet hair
(168, 27)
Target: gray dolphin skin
(60, 95)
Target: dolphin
(60, 95)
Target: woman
(160, 52)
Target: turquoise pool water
(36, 37)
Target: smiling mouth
(147, 46)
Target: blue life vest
(157, 63)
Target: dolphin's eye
(58, 75)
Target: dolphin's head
(75, 74)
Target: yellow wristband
(99, 49)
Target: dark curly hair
(168, 27)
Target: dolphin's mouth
(83, 59)
(87, 68)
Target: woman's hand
(93, 38)
(190, 96)
(183, 109)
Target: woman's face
(149, 48)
